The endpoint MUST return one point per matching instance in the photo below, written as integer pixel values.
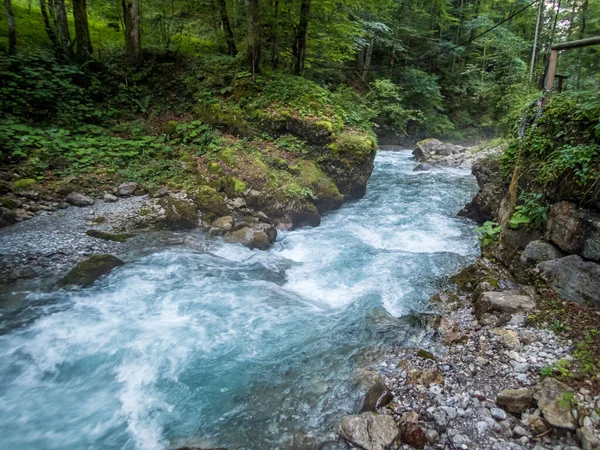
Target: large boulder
(492, 187)
(551, 396)
(377, 397)
(538, 251)
(78, 199)
(88, 271)
(431, 149)
(574, 230)
(369, 431)
(503, 302)
(574, 279)
(179, 214)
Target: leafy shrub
(531, 211)
(488, 232)
(386, 103)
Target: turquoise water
(217, 345)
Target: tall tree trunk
(300, 56)
(254, 36)
(48, 24)
(133, 31)
(583, 12)
(62, 29)
(535, 39)
(274, 34)
(82, 30)
(231, 48)
(12, 27)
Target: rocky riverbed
(480, 385)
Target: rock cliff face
(565, 253)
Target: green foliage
(562, 369)
(488, 233)
(531, 211)
(386, 102)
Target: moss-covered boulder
(179, 214)
(7, 217)
(210, 203)
(349, 162)
(87, 272)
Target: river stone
(428, 149)
(503, 302)
(223, 223)
(414, 436)
(589, 439)
(515, 400)
(574, 230)
(423, 167)
(369, 431)
(110, 198)
(127, 189)
(550, 396)
(77, 199)
(86, 272)
(179, 214)
(377, 397)
(539, 251)
(7, 217)
(574, 279)
(249, 237)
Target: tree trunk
(82, 30)
(231, 48)
(274, 33)
(583, 12)
(254, 44)
(133, 31)
(300, 56)
(48, 24)
(12, 27)
(62, 30)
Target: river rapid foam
(213, 344)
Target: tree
(231, 48)
(133, 31)
(82, 30)
(12, 27)
(62, 29)
(254, 36)
(300, 41)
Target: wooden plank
(550, 74)
(577, 44)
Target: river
(216, 345)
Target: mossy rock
(108, 236)
(210, 202)
(87, 272)
(170, 127)
(424, 354)
(180, 214)
(8, 203)
(23, 184)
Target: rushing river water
(218, 345)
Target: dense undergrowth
(193, 124)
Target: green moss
(8, 203)
(354, 145)
(24, 183)
(312, 177)
(144, 212)
(108, 236)
(87, 272)
(324, 124)
(239, 185)
(210, 202)
(170, 127)
(215, 168)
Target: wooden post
(550, 74)
(549, 82)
